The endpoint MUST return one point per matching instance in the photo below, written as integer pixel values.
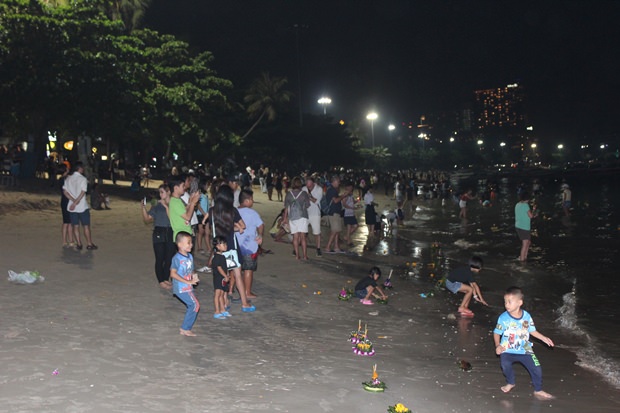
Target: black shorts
(248, 263)
(524, 235)
(218, 281)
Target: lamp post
(372, 116)
(324, 101)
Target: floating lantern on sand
(374, 385)
(345, 294)
(363, 347)
(398, 408)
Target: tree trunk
(262, 115)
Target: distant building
(500, 111)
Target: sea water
(572, 277)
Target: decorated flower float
(345, 294)
(398, 408)
(363, 346)
(374, 385)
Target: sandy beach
(98, 335)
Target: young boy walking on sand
(367, 286)
(461, 280)
(220, 277)
(183, 280)
(512, 345)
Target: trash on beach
(25, 277)
(464, 365)
(55, 372)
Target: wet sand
(100, 321)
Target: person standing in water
(523, 218)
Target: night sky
(407, 58)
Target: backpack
(324, 206)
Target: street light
(372, 116)
(391, 128)
(502, 144)
(560, 146)
(324, 101)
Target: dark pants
(164, 250)
(529, 361)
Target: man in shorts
(75, 188)
(314, 210)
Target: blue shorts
(78, 218)
(566, 204)
(361, 294)
(453, 286)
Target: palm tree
(264, 97)
(129, 11)
(356, 132)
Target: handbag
(232, 259)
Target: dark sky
(406, 58)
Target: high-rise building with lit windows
(500, 111)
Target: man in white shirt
(314, 210)
(75, 188)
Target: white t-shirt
(185, 198)
(369, 198)
(317, 192)
(74, 185)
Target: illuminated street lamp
(324, 101)
(391, 129)
(502, 144)
(560, 146)
(533, 146)
(372, 116)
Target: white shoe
(204, 269)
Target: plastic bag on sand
(26, 277)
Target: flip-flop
(249, 309)
(466, 313)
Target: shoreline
(112, 335)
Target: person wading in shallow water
(523, 217)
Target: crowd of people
(214, 219)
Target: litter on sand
(25, 277)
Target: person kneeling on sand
(512, 345)
(461, 280)
(367, 286)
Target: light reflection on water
(580, 250)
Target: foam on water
(589, 353)
(461, 243)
